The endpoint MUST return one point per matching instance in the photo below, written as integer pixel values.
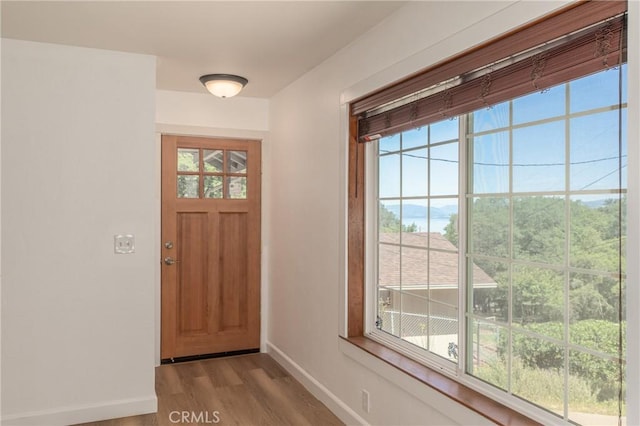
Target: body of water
(437, 225)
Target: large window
(494, 237)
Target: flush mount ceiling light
(223, 85)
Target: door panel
(211, 246)
(192, 282)
(233, 295)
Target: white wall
(633, 242)
(0, 216)
(77, 167)
(207, 111)
(308, 134)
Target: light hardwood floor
(243, 390)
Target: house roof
(435, 268)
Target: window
(417, 265)
(223, 173)
(492, 230)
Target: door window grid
(216, 174)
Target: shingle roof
(438, 266)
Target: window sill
(473, 400)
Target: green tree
(451, 230)
(389, 222)
(539, 234)
(601, 373)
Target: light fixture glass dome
(223, 85)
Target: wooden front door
(210, 246)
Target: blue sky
(539, 151)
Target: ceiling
(271, 43)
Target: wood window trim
(598, 43)
(477, 402)
(568, 19)
(472, 399)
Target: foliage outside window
(545, 197)
(495, 230)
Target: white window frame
(456, 370)
(371, 267)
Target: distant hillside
(417, 211)
(594, 204)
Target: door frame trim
(262, 137)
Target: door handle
(170, 260)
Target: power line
(608, 174)
(444, 160)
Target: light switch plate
(124, 244)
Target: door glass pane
(213, 187)
(213, 160)
(237, 187)
(237, 161)
(188, 160)
(188, 186)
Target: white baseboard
(84, 413)
(317, 389)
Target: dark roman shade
(584, 38)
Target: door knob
(170, 260)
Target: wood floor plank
(241, 404)
(272, 368)
(270, 395)
(221, 373)
(168, 381)
(243, 390)
(313, 410)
